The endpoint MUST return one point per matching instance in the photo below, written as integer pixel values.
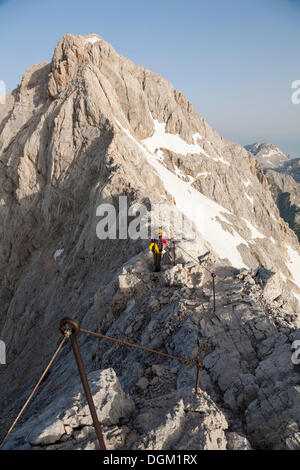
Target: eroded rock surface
(82, 131)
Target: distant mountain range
(283, 175)
(268, 155)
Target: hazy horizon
(235, 62)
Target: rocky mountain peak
(83, 131)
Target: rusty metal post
(213, 275)
(199, 365)
(86, 387)
(174, 254)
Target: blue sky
(235, 59)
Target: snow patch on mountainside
(221, 159)
(254, 232)
(198, 209)
(92, 40)
(58, 253)
(294, 266)
(208, 216)
(179, 172)
(250, 199)
(173, 142)
(162, 139)
(270, 153)
(191, 179)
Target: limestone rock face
(49, 434)
(109, 398)
(237, 442)
(290, 167)
(82, 131)
(59, 422)
(248, 393)
(286, 194)
(187, 423)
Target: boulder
(236, 441)
(47, 433)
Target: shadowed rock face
(291, 167)
(76, 134)
(283, 177)
(286, 193)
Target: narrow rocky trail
(248, 386)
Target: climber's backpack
(156, 245)
(160, 244)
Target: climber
(156, 246)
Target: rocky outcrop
(248, 396)
(67, 423)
